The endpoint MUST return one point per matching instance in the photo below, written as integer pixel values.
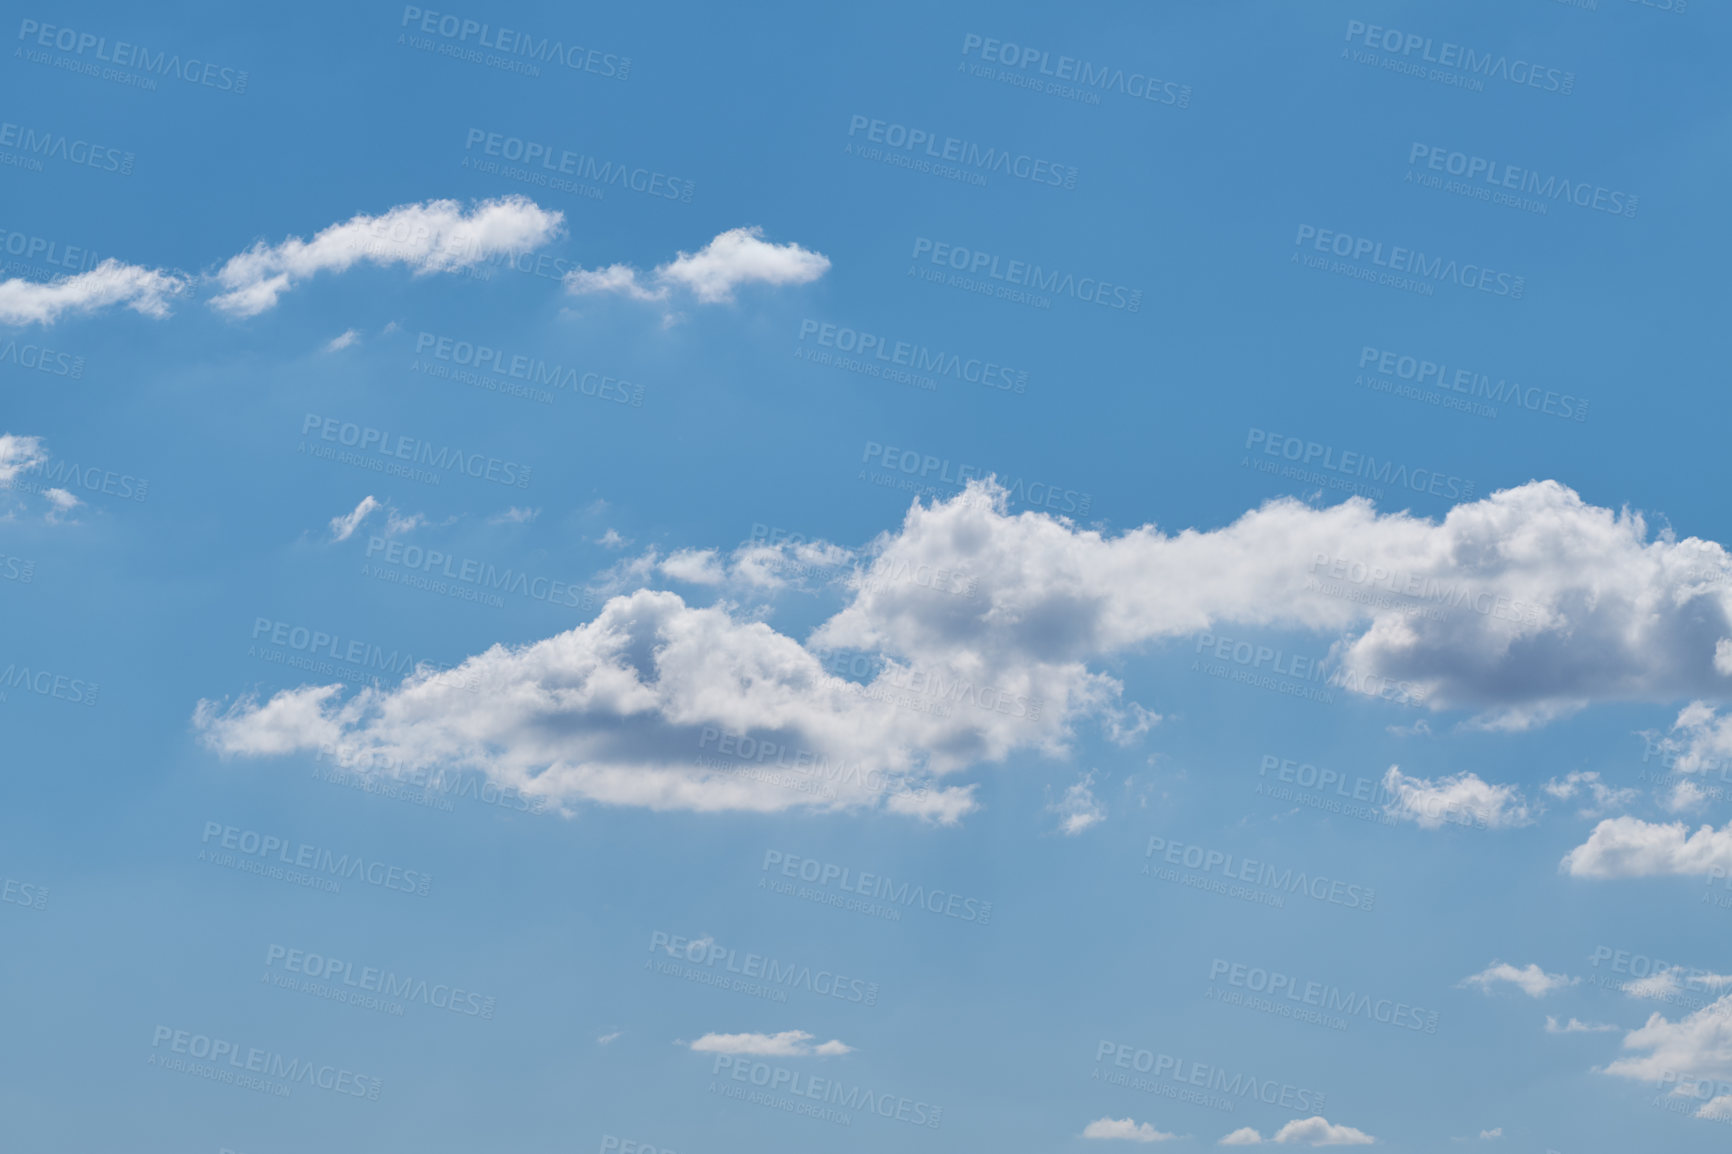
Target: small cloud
(609, 1039)
(63, 502)
(1488, 1135)
(697, 566)
(1126, 1129)
(787, 1044)
(612, 540)
(1587, 784)
(1458, 800)
(736, 257)
(343, 527)
(514, 516)
(1531, 980)
(1244, 1136)
(19, 454)
(1078, 809)
(396, 523)
(342, 341)
(1577, 1026)
(143, 290)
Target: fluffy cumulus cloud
(1629, 847)
(1007, 621)
(1690, 1058)
(787, 1044)
(1314, 1131)
(1461, 799)
(144, 290)
(436, 236)
(739, 256)
(1126, 1129)
(1530, 979)
(1596, 796)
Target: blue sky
(508, 642)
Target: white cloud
(609, 1039)
(514, 516)
(1314, 1131)
(144, 290)
(1628, 847)
(343, 527)
(736, 257)
(19, 454)
(612, 540)
(694, 566)
(63, 502)
(787, 1044)
(1458, 800)
(1577, 1026)
(613, 711)
(1488, 1135)
(1125, 1128)
(1693, 1055)
(436, 236)
(342, 340)
(1078, 809)
(1587, 783)
(1531, 980)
